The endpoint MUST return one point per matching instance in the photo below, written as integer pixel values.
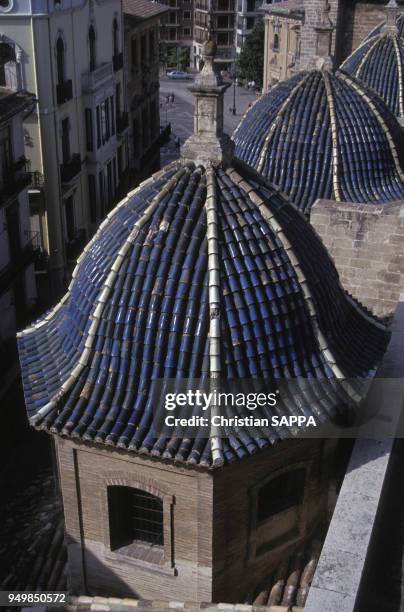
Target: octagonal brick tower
(204, 271)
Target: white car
(178, 74)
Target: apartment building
(176, 32)
(248, 13)
(69, 53)
(141, 48)
(220, 15)
(18, 245)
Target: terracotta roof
(141, 307)
(143, 9)
(324, 135)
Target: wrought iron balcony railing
(15, 179)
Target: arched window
(115, 42)
(60, 60)
(135, 516)
(91, 44)
(276, 42)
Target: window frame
(257, 547)
(139, 550)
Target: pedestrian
(167, 98)
(172, 98)
(177, 143)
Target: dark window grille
(134, 516)
(280, 493)
(147, 518)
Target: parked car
(178, 74)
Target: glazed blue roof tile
(324, 135)
(149, 320)
(379, 63)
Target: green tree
(174, 57)
(250, 62)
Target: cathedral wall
(215, 549)
(355, 23)
(184, 573)
(366, 242)
(247, 551)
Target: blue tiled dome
(139, 308)
(379, 63)
(323, 135)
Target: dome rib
(324, 135)
(214, 298)
(334, 134)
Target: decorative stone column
(208, 144)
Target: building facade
(17, 242)
(248, 14)
(221, 16)
(291, 38)
(282, 41)
(141, 48)
(70, 55)
(176, 33)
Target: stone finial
(209, 143)
(324, 29)
(391, 16)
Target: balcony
(122, 122)
(71, 169)
(64, 92)
(19, 263)
(117, 62)
(92, 81)
(75, 246)
(15, 180)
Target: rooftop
(159, 293)
(324, 135)
(379, 63)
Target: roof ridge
(214, 300)
(395, 38)
(334, 135)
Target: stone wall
(366, 242)
(355, 21)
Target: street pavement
(180, 113)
